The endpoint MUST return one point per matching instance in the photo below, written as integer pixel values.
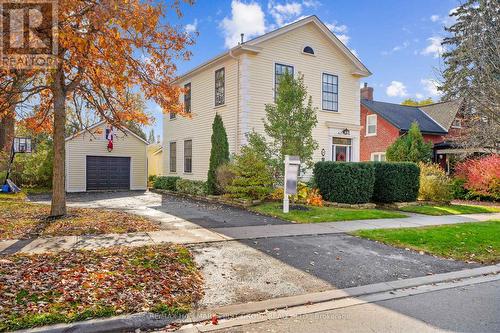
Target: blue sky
(399, 41)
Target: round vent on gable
(308, 50)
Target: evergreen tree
(410, 147)
(151, 138)
(219, 154)
(472, 70)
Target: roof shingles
(402, 116)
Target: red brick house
(382, 123)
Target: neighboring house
(155, 159)
(238, 83)
(382, 123)
(91, 166)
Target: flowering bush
(434, 184)
(482, 176)
(305, 195)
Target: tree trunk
(58, 207)
(7, 130)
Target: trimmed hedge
(193, 187)
(345, 182)
(396, 182)
(165, 183)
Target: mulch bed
(23, 220)
(70, 286)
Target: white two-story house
(238, 83)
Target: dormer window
(308, 50)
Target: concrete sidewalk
(202, 235)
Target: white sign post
(292, 165)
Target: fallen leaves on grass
(76, 285)
(27, 220)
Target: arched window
(308, 50)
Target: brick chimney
(366, 92)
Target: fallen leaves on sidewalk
(76, 285)
(27, 220)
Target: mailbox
(292, 166)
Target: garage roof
(101, 123)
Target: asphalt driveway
(213, 215)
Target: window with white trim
(371, 124)
(279, 71)
(341, 149)
(220, 86)
(330, 92)
(173, 156)
(378, 157)
(188, 156)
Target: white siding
(246, 97)
(287, 49)
(88, 144)
(199, 126)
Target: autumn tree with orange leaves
(107, 49)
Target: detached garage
(103, 159)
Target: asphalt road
(473, 308)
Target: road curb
(149, 321)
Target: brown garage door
(108, 173)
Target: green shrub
(458, 190)
(152, 178)
(165, 183)
(396, 182)
(33, 170)
(410, 147)
(345, 182)
(434, 184)
(219, 153)
(252, 178)
(193, 187)
(224, 176)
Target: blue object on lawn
(5, 188)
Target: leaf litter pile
(27, 220)
(70, 286)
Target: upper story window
(308, 50)
(279, 71)
(457, 123)
(371, 124)
(330, 94)
(187, 98)
(188, 156)
(173, 156)
(220, 79)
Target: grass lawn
(323, 214)
(477, 241)
(27, 220)
(69, 286)
(449, 209)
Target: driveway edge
(148, 321)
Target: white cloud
(340, 31)
(435, 18)
(397, 48)
(311, 3)
(396, 89)
(434, 48)
(283, 13)
(245, 18)
(431, 86)
(191, 27)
